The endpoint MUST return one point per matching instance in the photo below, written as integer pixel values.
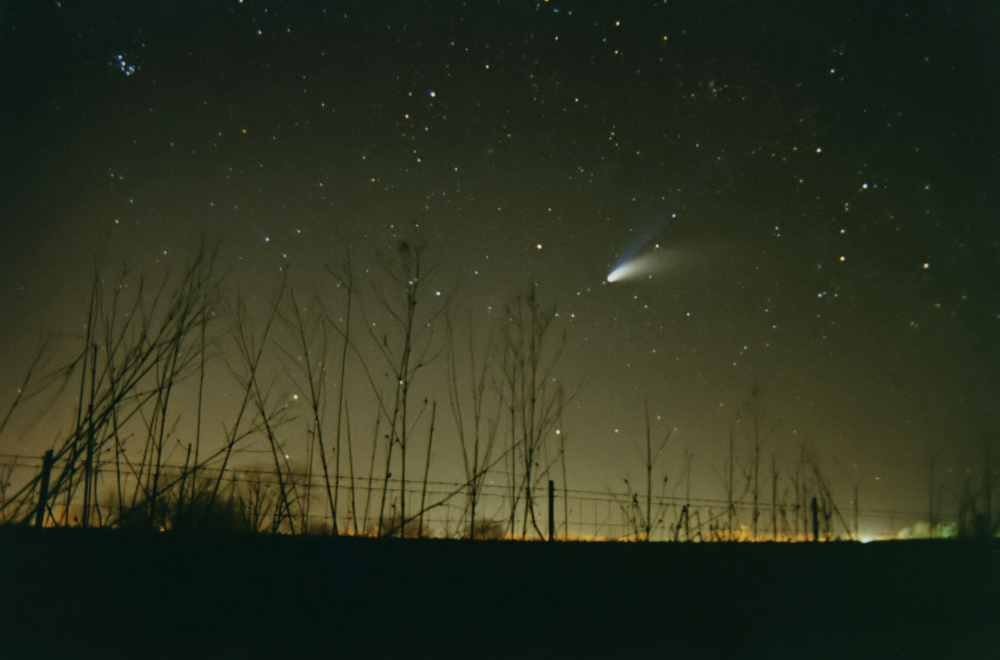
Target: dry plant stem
(251, 358)
(350, 467)
(283, 490)
(188, 311)
(371, 472)
(456, 411)
(136, 363)
(231, 440)
(201, 397)
(758, 437)
(109, 344)
(381, 411)
(22, 395)
(310, 451)
(83, 385)
(348, 281)
(316, 378)
(562, 458)
(688, 458)
(388, 468)
(89, 472)
(482, 448)
(731, 506)
(638, 511)
(408, 285)
(461, 488)
(404, 391)
(830, 508)
(531, 355)
(797, 487)
(427, 469)
(138, 343)
(250, 352)
(649, 475)
(22, 391)
(774, 498)
(509, 375)
(165, 390)
(180, 513)
(167, 485)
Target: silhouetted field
(98, 593)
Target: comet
(635, 260)
(645, 264)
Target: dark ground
(91, 593)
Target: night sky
(807, 195)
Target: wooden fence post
(815, 510)
(552, 510)
(43, 489)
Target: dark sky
(812, 191)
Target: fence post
(43, 489)
(815, 509)
(552, 509)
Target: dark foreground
(89, 593)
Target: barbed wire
(591, 512)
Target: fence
(438, 509)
